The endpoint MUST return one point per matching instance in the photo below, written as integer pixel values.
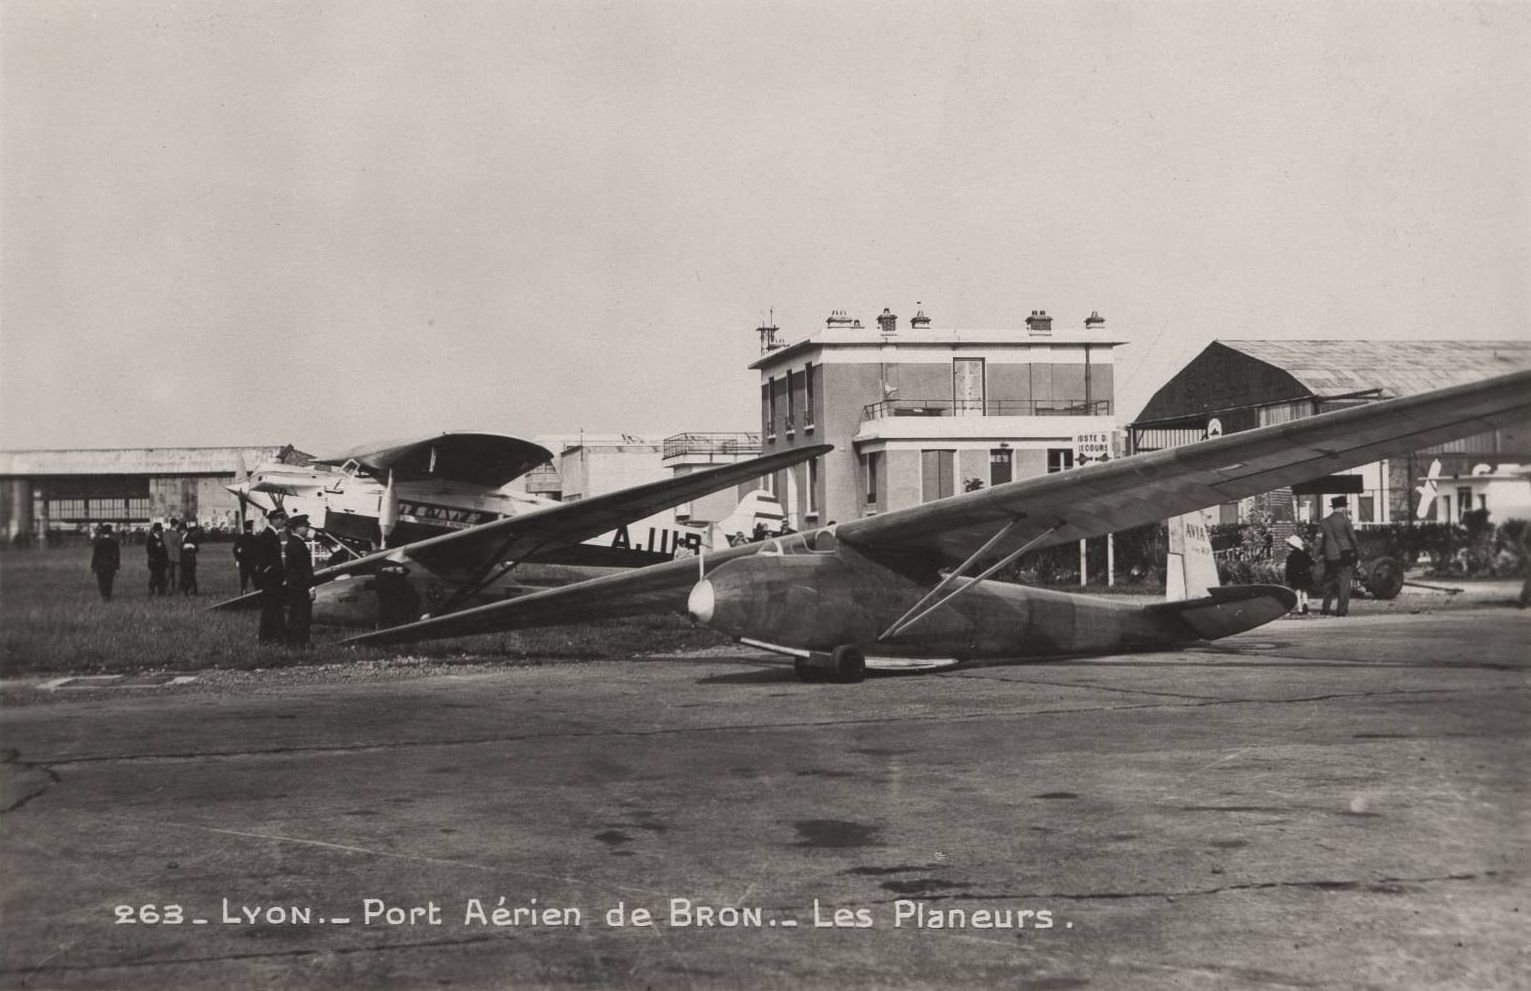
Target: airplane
(393, 493)
(912, 588)
(434, 511)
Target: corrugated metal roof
(1398, 368)
(137, 461)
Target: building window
(1366, 509)
(1001, 466)
(813, 489)
(791, 403)
(871, 471)
(967, 386)
(937, 474)
(1464, 503)
(808, 417)
(1059, 459)
(770, 408)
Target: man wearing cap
(105, 560)
(1340, 555)
(298, 579)
(269, 578)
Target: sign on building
(1094, 447)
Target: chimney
(887, 323)
(920, 321)
(1094, 321)
(839, 320)
(1039, 322)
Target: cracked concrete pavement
(1315, 804)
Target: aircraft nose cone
(702, 602)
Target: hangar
(66, 491)
(1235, 385)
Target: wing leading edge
(1084, 502)
(1146, 488)
(460, 554)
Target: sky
(326, 223)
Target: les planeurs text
(680, 913)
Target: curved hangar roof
(1398, 368)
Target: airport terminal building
(1235, 385)
(919, 413)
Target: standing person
(1525, 560)
(298, 574)
(1299, 572)
(173, 552)
(1340, 555)
(244, 556)
(105, 559)
(191, 545)
(269, 578)
(154, 547)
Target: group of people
(277, 562)
(1330, 568)
(172, 557)
(282, 568)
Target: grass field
(52, 620)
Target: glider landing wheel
(849, 665)
(845, 665)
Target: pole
(1111, 560)
(1083, 572)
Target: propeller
(388, 512)
(241, 489)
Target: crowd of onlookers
(171, 553)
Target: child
(1299, 572)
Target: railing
(991, 407)
(681, 445)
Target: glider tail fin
(1191, 570)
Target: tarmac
(1318, 803)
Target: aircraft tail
(1191, 570)
(755, 509)
(1226, 611)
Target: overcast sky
(326, 223)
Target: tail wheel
(848, 664)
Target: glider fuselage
(818, 600)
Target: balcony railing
(990, 407)
(684, 445)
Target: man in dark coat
(1340, 555)
(191, 546)
(298, 573)
(154, 547)
(244, 556)
(105, 560)
(270, 579)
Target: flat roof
(838, 337)
(136, 460)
